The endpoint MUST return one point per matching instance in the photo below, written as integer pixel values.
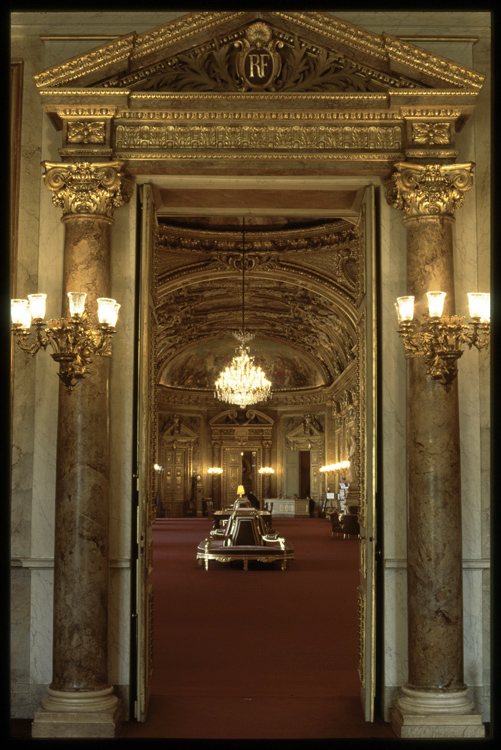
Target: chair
(245, 538)
(209, 509)
(349, 524)
(336, 525)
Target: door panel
(366, 465)
(232, 462)
(291, 479)
(147, 453)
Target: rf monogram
(258, 63)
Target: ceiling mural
(284, 366)
(302, 283)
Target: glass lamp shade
(436, 303)
(480, 306)
(37, 306)
(76, 302)
(20, 313)
(405, 308)
(107, 311)
(240, 490)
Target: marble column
(435, 701)
(80, 702)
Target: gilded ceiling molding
(85, 188)
(297, 240)
(429, 189)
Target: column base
(420, 713)
(92, 714)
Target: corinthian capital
(429, 189)
(87, 188)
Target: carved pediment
(175, 428)
(309, 428)
(258, 51)
(240, 418)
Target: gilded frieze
(255, 137)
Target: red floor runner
(257, 654)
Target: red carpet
(262, 654)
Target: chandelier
(243, 383)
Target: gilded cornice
(181, 29)
(431, 66)
(85, 188)
(384, 158)
(337, 32)
(429, 190)
(81, 65)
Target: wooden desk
(288, 507)
(222, 515)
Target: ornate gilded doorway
(190, 285)
(272, 114)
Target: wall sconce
(72, 340)
(439, 338)
(335, 467)
(266, 470)
(158, 469)
(215, 470)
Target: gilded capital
(87, 188)
(429, 189)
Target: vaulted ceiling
(301, 285)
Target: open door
(366, 465)
(146, 456)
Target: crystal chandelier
(243, 383)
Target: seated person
(253, 500)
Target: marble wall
(35, 389)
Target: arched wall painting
(201, 367)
